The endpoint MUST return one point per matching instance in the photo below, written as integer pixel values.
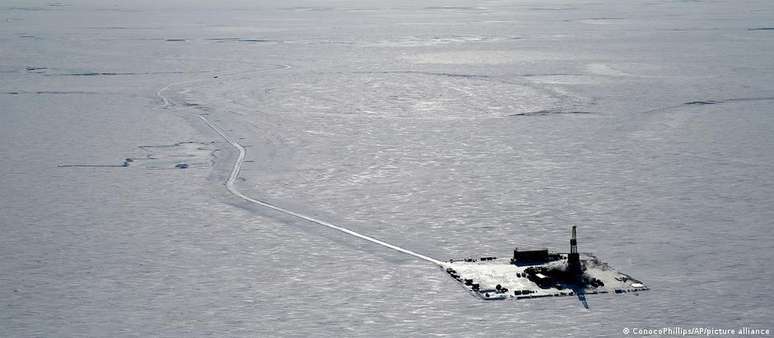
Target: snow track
(231, 185)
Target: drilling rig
(573, 259)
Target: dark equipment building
(529, 256)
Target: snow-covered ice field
(449, 128)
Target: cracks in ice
(54, 92)
(181, 155)
(706, 102)
(731, 100)
(554, 112)
(662, 109)
(118, 73)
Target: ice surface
(451, 129)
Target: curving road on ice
(231, 182)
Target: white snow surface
(447, 129)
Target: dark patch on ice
(258, 40)
(29, 36)
(761, 29)
(701, 102)
(175, 40)
(731, 100)
(554, 112)
(710, 102)
(54, 92)
(114, 73)
(181, 155)
(197, 106)
(35, 69)
(222, 39)
(123, 165)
